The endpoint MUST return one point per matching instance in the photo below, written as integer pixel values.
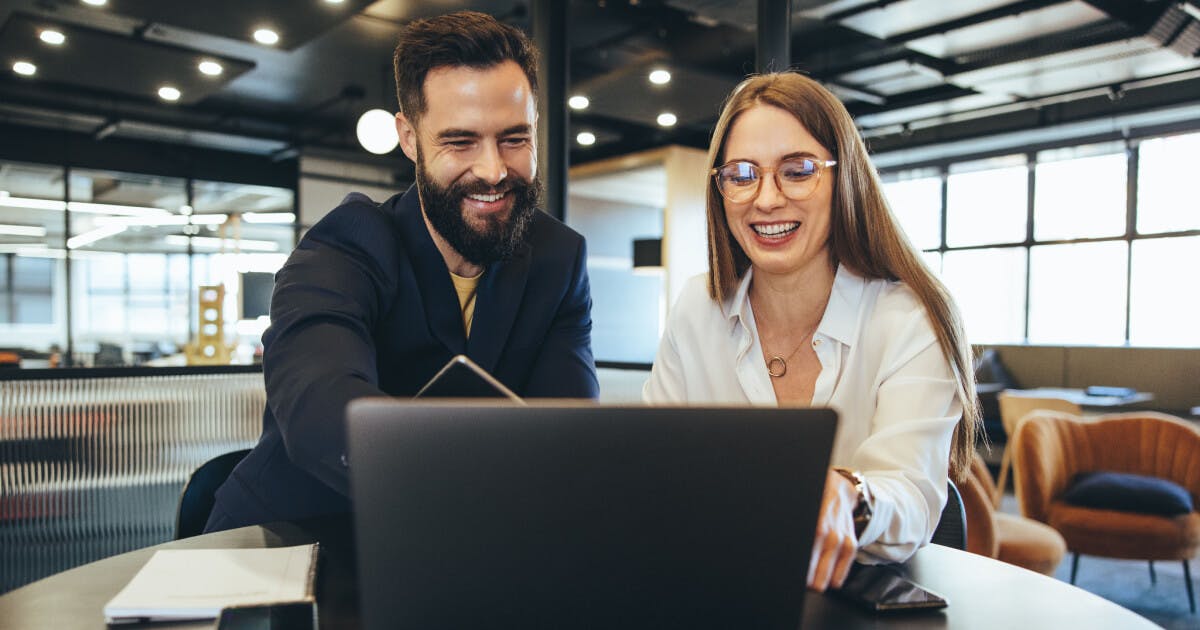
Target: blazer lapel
(443, 315)
(496, 305)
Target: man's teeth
(487, 198)
(776, 229)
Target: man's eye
(516, 142)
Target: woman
(815, 297)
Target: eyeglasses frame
(821, 165)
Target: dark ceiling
(911, 71)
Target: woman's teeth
(775, 230)
(487, 198)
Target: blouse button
(816, 342)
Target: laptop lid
(463, 378)
(582, 516)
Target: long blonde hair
(864, 235)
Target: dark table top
(983, 593)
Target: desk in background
(1104, 404)
(983, 593)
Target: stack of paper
(186, 584)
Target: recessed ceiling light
(266, 36)
(168, 93)
(578, 101)
(334, 1)
(54, 38)
(660, 77)
(24, 68)
(96, 3)
(586, 138)
(211, 68)
(667, 119)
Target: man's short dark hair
(466, 38)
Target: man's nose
(489, 165)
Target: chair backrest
(1051, 448)
(951, 530)
(196, 500)
(1013, 407)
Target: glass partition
(137, 247)
(32, 268)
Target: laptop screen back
(582, 516)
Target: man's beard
(500, 237)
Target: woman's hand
(836, 542)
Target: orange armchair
(1009, 538)
(1050, 448)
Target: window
(1167, 200)
(989, 287)
(1164, 298)
(916, 199)
(986, 201)
(1057, 263)
(1077, 293)
(1079, 194)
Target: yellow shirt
(466, 289)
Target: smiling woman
(814, 297)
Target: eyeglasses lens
(740, 181)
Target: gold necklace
(781, 361)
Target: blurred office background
(1042, 153)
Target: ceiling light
(24, 68)
(660, 77)
(211, 68)
(168, 93)
(269, 217)
(164, 219)
(185, 210)
(80, 206)
(54, 38)
(96, 3)
(578, 101)
(215, 243)
(266, 36)
(667, 119)
(22, 230)
(334, 1)
(91, 236)
(377, 131)
(586, 138)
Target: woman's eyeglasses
(796, 178)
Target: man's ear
(408, 136)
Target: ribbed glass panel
(94, 467)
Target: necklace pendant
(776, 366)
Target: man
(376, 298)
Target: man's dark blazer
(365, 307)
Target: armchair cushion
(1127, 492)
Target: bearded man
(377, 297)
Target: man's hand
(836, 543)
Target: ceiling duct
(742, 14)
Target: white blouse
(881, 369)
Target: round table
(983, 593)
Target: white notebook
(185, 584)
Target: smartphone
(298, 616)
(881, 587)
(463, 378)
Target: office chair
(951, 530)
(196, 500)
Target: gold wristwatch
(862, 509)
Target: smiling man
(377, 297)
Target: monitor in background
(574, 515)
(256, 294)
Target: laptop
(463, 378)
(471, 514)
